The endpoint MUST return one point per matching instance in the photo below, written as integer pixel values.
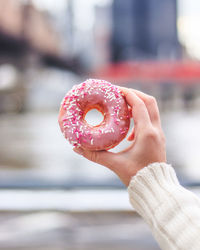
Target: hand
(148, 139)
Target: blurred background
(51, 198)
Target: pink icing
(105, 97)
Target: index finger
(140, 113)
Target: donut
(107, 99)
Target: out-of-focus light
(84, 12)
(187, 24)
(8, 76)
(103, 2)
(189, 35)
(51, 5)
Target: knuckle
(155, 135)
(163, 138)
(151, 100)
(151, 134)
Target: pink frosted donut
(106, 98)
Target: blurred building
(39, 31)
(144, 29)
(102, 34)
(27, 39)
(25, 25)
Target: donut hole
(94, 117)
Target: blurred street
(34, 152)
(74, 231)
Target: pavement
(53, 230)
(53, 199)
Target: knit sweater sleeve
(172, 212)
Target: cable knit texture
(172, 212)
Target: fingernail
(130, 137)
(78, 150)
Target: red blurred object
(186, 72)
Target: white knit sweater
(172, 212)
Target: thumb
(105, 158)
